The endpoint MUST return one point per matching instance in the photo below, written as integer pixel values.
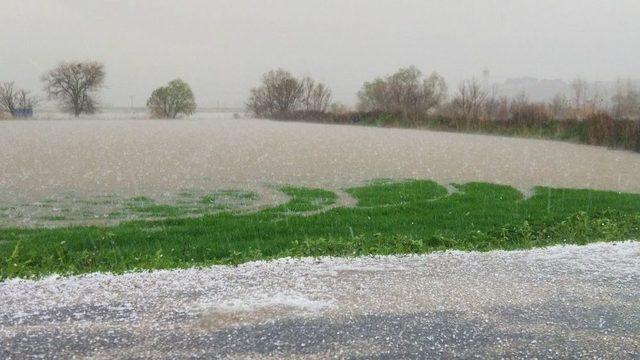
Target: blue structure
(22, 113)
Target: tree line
(75, 87)
(406, 97)
(412, 97)
(282, 94)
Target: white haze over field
(221, 47)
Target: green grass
(380, 193)
(390, 218)
(303, 200)
(211, 202)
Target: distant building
(22, 113)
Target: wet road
(561, 302)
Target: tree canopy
(167, 102)
(75, 86)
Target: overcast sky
(222, 47)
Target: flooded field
(100, 171)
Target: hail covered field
(59, 172)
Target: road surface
(561, 302)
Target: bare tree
(259, 103)
(321, 98)
(626, 101)
(8, 97)
(13, 99)
(315, 97)
(579, 88)
(307, 85)
(596, 99)
(469, 101)
(559, 107)
(75, 85)
(524, 112)
(405, 92)
(283, 90)
(279, 93)
(26, 100)
(495, 107)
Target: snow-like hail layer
(167, 314)
(42, 159)
(291, 283)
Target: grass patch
(390, 218)
(380, 193)
(148, 207)
(303, 199)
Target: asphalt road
(561, 302)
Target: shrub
(528, 114)
(600, 129)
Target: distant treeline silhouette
(409, 99)
(405, 98)
(75, 85)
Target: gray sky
(221, 47)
